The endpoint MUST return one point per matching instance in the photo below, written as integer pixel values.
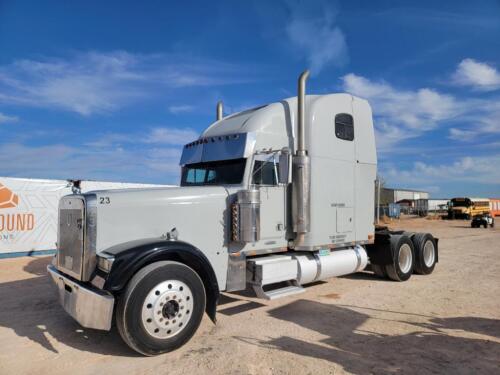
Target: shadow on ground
(365, 275)
(30, 308)
(433, 347)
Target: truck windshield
(222, 172)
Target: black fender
(130, 257)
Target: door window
(265, 172)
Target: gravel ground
(448, 322)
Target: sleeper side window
(344, 126)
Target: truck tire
(401, 268)
(161, 308)
(379, 271)
(425, 253)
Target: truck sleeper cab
(274, 198)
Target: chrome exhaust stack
(301, 166)
(220, 111)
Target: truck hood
(198, 214)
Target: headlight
(105, 262)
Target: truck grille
(77, 236)
(71, 236)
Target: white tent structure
(28, 212)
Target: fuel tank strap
(318, 262)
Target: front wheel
(161, 308)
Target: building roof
(410, 190)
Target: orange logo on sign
(7, 198)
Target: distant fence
(392, 210)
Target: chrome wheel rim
(167, 309)
(429, 253)
(405, 258)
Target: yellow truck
(467, 208)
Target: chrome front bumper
(90, 307)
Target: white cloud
(114, 139)
(94, 82)
(160, 135)
(478, 169)
(312, 31)
(461, 135)
(403, 114)
(478, 75)
(86, 162)
(185, 108)
(151, 156)
(5, 119)
(171, 136)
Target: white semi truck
(275, 198)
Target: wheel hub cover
(167, 309)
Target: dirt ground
(448, 322)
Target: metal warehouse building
(438, 204)
(390, 195)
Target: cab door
(265, 176)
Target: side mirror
(284, 167)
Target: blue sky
(110, 90)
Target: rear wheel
(161, 308)
(425, 253)
(404, 258)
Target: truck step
(271, 269)
(277, 293)
(274, 270)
